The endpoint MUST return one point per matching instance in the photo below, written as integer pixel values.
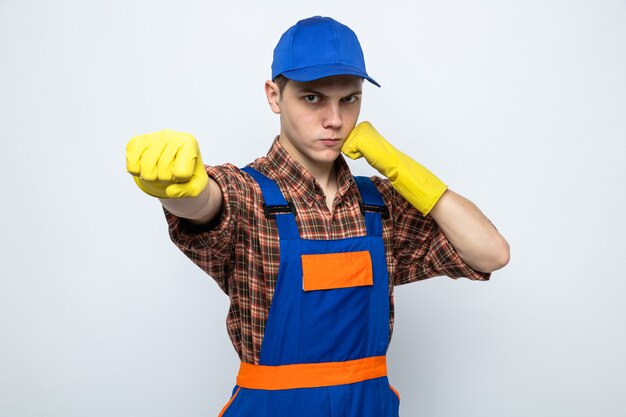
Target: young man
(308, 254)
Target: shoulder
(240, 192)
(387, 192)
(402, 213)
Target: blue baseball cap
(319, 47)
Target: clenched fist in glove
(416, 184)
(166, 164)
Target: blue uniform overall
(325, 340)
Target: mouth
(330, 141)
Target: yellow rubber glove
(416, 184)
(166, 164)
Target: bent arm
(470, 232)
(201, 209)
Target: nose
(332, 116)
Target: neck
(325, 175)
(327, 179)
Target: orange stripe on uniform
(326, 271)
(310, 375)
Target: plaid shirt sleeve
(210, 246)
(420, 249)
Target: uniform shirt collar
(292, 173)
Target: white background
(518, 105)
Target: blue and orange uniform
(324, 346)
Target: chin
(329, 155)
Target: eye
(311, 98)
(350, 99)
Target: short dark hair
(281, 81)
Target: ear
(273, 96)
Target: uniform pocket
(394, 397)
(327, 271)
(229, 403)
(246, 403)
(395, 391)
(389, 399)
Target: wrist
(192, 208)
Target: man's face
(316, 117)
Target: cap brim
(326, 70)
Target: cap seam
(335, 40)
(323, 63)
(290, 51)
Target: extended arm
(471, 234)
